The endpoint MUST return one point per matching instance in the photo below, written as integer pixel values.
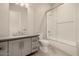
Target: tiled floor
(50, 52)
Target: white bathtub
(67, 47)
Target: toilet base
(44, 49)
(44, 45)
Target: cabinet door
(26, 49)
(3, 49)
(15, 48)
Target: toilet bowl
(44, 45)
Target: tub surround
(63, 25)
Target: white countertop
(16, 37)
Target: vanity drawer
(35, 44)
(3, 48)
(35, 48)
(35, 39)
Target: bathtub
(65, 46)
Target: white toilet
(44, 43)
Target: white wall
(51, 24)
(35, 24)
(4, 19)
(40, 20)
(37, 18)
(77, 26)
(30, 15)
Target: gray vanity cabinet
(20, 47)
(15, 48)
(3, 48)
(26, 49)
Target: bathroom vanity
(17, 36)
(19, 45)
